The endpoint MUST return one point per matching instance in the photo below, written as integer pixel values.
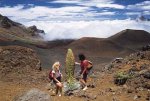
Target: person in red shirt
(84, 72)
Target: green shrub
(122, 75)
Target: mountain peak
(17, 31)
(5, 22)
(33, 29)
(130, 37)
(129, 33)
(142, 18)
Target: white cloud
(72, 21)
(103, 4)
(81, 1)
(45, 13)
(146, 12)
(34, 12)
(138, 13)
(116, 6)
(145, 5)
(106, 13)
(78, 29)
(66, 1)
(133, 13)
(96, 3)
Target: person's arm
(77, 63)
(85, 67)
(61, 75)
(55, 78)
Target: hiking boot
(85, 88)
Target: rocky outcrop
(34, 95)
(7, 23)
(35, 32)
(133, 71)
(12, 30)
(17, 61)
(146, 48)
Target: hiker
(56, 77)
(84, 70)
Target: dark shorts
(85, 77)
(59, 79)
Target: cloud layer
(80, 18)
(78, 29)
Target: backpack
(51, 75)
(90, 65)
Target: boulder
(89, 96)
(34, 95)
(120, 81)
(148, 97)
(146, 85)
(147, 75)
(35, 31)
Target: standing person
(84, 72)
(56, 77)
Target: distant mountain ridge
(5, 22)
(142, 18)
(133, 39)
(11, 30)
(126, 40)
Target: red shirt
(83, 65)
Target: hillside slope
(15, 31)
(98, 47)
(133, 39)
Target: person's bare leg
(59, 85)
(57, 88)
(83, 82)
(60, 89)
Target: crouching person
(56, 77)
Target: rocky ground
(124, 79)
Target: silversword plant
(70, 67)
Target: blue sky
(78, 18)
